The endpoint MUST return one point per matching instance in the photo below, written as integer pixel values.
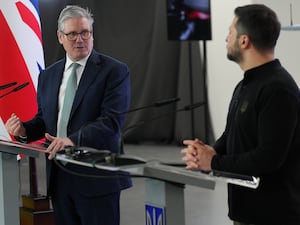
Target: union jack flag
(21, 57)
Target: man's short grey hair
(74, 11)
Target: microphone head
(193, 106)
(21, 86)
(2, 87)
(166, 102)
(156, 104)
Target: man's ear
(244, 41)
(60, 37)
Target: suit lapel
(89, 74)
(55, 82)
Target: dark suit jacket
(104, 88)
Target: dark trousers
(72, 208)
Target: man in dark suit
(103, 88)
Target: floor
(201, 206)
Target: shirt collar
(81, 62)
(257, 71)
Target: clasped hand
(197, 155)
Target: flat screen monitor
(189, 20)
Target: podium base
(36, 211)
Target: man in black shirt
(262, 134)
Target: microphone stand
(33, 183)
(35, 207)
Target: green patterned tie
(68, 101)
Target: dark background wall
(135, 32)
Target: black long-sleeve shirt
(262, 138)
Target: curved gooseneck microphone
(21, 86)
(155, 104)
(142, 122)
(95, 155)
(4, 86)
(115, 114)
(185, 108)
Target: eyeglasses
(72, 36)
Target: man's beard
(235, 55)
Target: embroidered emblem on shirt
(244, 106)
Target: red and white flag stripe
(21, 56)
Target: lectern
(164, 183)
(165, 186)
(9, 180)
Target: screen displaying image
(189, 20)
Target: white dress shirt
(66, 75)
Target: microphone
(87, 154)
(2, 87)
(142, 122)
(115, 114)
(15, 89)
(93, 155)
(166, 102)
(191, 106)
(185, 108)
(155, 104)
